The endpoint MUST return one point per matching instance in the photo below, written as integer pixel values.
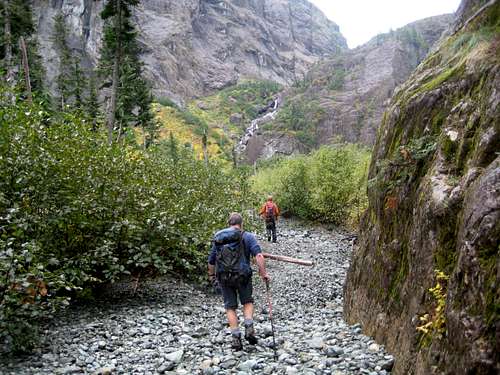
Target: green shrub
(328, 185)
(76, 212)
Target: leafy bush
(329, 185)
(75, 212)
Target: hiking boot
(236, 342)
(269, 239)
(250, 334)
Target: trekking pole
(269, 302)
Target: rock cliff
(350, 91)
(353, 88)
(424, 278)
(192, 47)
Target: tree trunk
(26, 67)
(205, 147)
(116, 76)
(235, 157)
(8, 43)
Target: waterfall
(254, 125)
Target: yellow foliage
(434, 325)
(172, 122)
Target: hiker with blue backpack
(270, 212)
(229, 269)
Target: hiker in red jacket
(270, 212)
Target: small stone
(167, 366)
(72, 370)
(89, 360)
(105, 371)
(206, 364)
(49, 357)
(247, 365)
(228, 364)
(388, 365)
(236, 118)
(291, 361)
(374, 348)
(316, 342)
(175, 357)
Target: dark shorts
(230, 294)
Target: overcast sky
(360, 20)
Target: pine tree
(173, 148)
(71, 78)
(121, 71)
(60, 40)
(77, 83)
(145, 118)
(16, 21)
(91, 103)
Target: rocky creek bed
(172, 327)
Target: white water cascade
(251, 130)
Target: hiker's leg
(274, 232)
(231, 304)
(248, 311)
(246, 300)
(232, 318)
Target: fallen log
(283, 258)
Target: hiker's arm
(211, 264)
(211, 271)
(257, 253)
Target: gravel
(173, 327)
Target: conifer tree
(7, 39)
(173, 148)
(77, 83)
(91, 103)
(60, 40)
(16, 20)
(145, 118)
(70, 80)
(121, 71)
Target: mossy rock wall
(434, 205)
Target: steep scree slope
(192, 47)
(434, 211)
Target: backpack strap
(242, 244)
